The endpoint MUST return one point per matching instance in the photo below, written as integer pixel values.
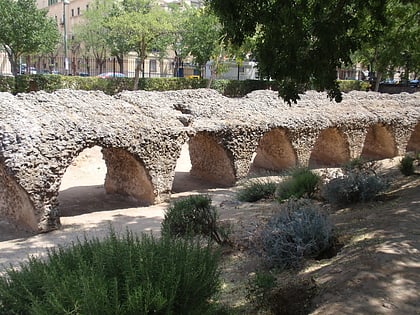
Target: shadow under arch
(330, 149)
(414, 141)
(379, 144)
(103, 179)
(183, 180)
(274, 152)
(210, 161)
(15, 203)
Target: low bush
(298, 231)
(7, 83)
(302, 183)
(406, 165)
(193, 216)
(119, 275)
(256, 190)
(358, 183)
(353, 85)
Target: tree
(91, 36)
(25, 30)
(300, 43)
(144, 26)
(201, 37)
(394, 44)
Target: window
(72, 12)
(78, 11)
(87, 7)
(152, 65)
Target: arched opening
(379, 144)
(15, 204)
(183, 180)
(274, 152)
(414, 141)
(330, 149)
(102, 180)
(210, 161)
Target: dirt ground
(376, 272)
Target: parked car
(388, 81)
(414, 83)
(25, 70)
(110, 75)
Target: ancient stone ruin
(142, 133)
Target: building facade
(69, 58)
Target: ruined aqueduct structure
(142, 133)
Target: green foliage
(299, 43)
(393, 44)
(258, 189)
(7, 84)
(144, 26)
(27, 83)
(353, 85)
(193, 216)
(119, 275)
(359, 182)
(25, 30)
(37, 82)
(302, 182)
(298, 231)
(236, 88)
(406, 166)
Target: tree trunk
(378, 80)
(120, 59)
(136, 76)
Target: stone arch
(379, 143)
(275, 151)
(331, 149)
(127, 175)
(15, 203)
(210, 161)
(414, 141)
(95, 180)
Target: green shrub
(353, 85)
(406, 165)
(193, 216)
(358, 183)
(256, 190)
(7, 84)
(119, 275)
(302, 182)
(299, 230)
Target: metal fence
(153, 68)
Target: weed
(256, 190)
(302, 183)
(406, 165)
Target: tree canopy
(25, 30)
(394, 44)
(300, 43)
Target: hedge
(230, 88)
